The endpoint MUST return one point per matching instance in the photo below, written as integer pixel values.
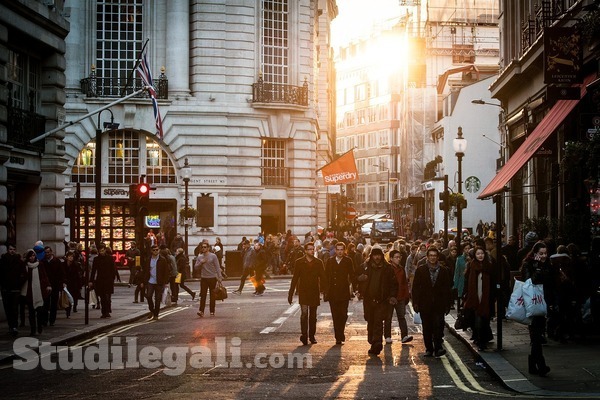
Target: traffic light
(444, 200)
(142, 191)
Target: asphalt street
(249, 349)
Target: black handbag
(220, 291)
(464, 320)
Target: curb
(510, 376)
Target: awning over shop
(378, 216)
(536, 139)
(363, 217)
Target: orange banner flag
(342, 170)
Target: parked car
(365, 230)
(383, 231)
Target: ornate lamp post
(460, 145)
(186, 174)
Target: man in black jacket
(56, 274)
(339, 272)
(378, 287)
(309, 278)
(432, 298)
(156, 279)
(12, 277)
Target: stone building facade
(242, 99)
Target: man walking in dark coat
(102, 279)
(339, 272)
(56, 275)
(379, 288)
(309, 278)
(432, 297)
(12, 277)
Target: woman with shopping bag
(536, 267)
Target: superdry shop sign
(342, 170)
(563, 55)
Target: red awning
(534, 141)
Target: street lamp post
(98, 199)
(460, 145)
(186, 174)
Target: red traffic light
(143, 189)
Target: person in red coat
(339, 271)
(309, 278)
(402, 301)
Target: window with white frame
(384, 138)
(274, 171)
(360, 165)
(360, 193)
(275, 41)
(119, 40)
(372, 137)
(361, 141)
(383, 193)
(23, 76)
(372, 193)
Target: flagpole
(137, 62)
(67, 124)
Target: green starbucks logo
(473, 184)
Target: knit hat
(531, 237)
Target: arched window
(128, 155)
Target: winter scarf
(36, 287)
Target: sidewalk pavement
(69, 329)
(575, 366)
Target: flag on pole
(144, 72)
(342, 170)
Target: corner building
(238, 91)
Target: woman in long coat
(479, 297)
(35, 290)
(74, 279)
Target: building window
(123, 157)
(274, 172)
(360, 193)
(84, 170)
(372, 192)
(159, 169)
(119, 40)
(23, 81)
(275, 46)
(130, 154)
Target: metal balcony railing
(275, 176)
(263, 92)
(22, 126)
(94, 86)
(546, 13)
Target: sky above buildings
(357, 18)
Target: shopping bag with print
(533, 297)
(516, 305)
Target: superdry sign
(342, 170)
